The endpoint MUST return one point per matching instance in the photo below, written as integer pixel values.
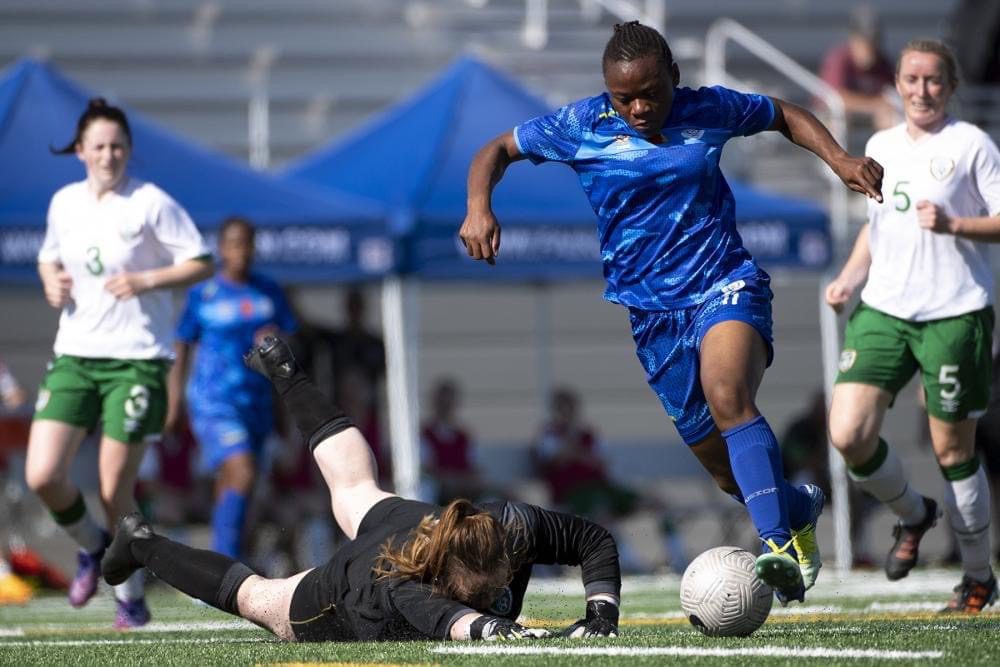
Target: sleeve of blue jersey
(555, 137)
(188, 327)
(743, 114)
(284, 316)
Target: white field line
(154, 627)
(129, 642)
(688, 651)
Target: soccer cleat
(132, 614)
(272, 359)
(88, 570)
(903, 555)
(972, 596)
(119, 563)
(14, 590)
(804, 540)
(779, 569)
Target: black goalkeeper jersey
(343, 599)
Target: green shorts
(129, 396)
(952, 355)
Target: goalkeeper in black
(412, 570)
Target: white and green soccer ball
(721, 594)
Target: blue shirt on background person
(225, 319)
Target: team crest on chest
(942, 167)
(692, 133)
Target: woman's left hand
(127, 285)
(933, 217)
(861, 174)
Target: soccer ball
(721, 594)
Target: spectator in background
(231, 407)
(861, 73)
(114, 247)
(13, 589)
(975, 37)
(571, 461)
(12, 396)
(448, 453)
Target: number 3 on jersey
(94, 264)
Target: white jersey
(917, 274)
(135, 228)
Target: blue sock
(799, 506)
(227, 523)
(756, 461)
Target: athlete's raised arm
(801, 127)
(480, 231)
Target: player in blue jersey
(230, 406)
(647, 153)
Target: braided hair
(632, 41)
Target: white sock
(888, 483)
(968, 503)
(87, 533)
(132, 588)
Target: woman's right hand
(58, 286)
(480, 233)
(838, 293)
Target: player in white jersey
(113, 246)
(927, 306)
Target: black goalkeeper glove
(601, 621)
(491, 628)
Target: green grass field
(858, 620)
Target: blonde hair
(938, 48)
(462, 555)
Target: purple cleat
(132, 614)
(84, 584)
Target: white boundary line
(131, 642)
(687, 651)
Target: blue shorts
(668, 344)
(222, 431)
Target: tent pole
(839, 488)
(543, 345)
(399, 324)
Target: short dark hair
(97, 107)
(237, 221)
(634, 40)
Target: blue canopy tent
(414, 158)
(304, 233)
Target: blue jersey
(666, 216)
(224, 318)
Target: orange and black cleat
(972, 596)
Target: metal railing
(536, 16)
